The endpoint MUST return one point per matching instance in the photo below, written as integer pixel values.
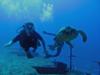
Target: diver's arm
(12, 41)
(8, 44)
(70, 45)
(84, 36)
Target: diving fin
(84, 36)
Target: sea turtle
(66, 34)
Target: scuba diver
(65, 35)
(28, 38)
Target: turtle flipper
(84, 36)
(47, 33)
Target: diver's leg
(27, 53)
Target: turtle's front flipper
(47, 33)
(84, 36)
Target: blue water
(80, 14)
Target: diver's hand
(8, 44)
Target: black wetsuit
(29, 41)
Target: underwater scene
(49, 37)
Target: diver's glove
(8, 44)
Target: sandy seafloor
(12, 63)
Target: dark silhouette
(28, 38)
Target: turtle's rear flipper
(84, 36)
